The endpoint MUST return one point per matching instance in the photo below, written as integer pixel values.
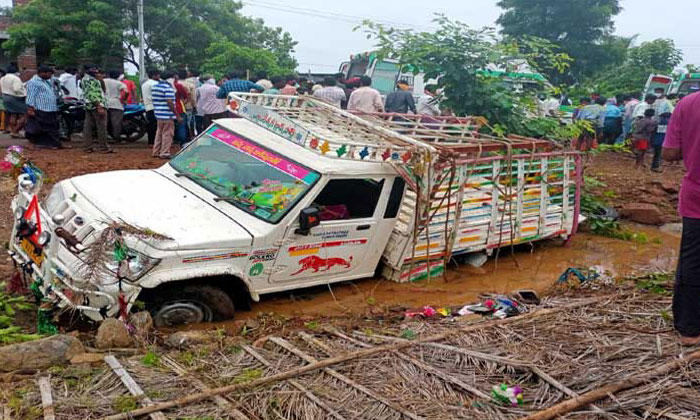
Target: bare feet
(690, 341)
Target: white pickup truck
(293, 194)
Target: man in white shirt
(70, 82)
(146, 87)
(115, 93)
(14, 97)
(428, 103)
(365, 99)
(207, 102)
(330, 93)
(643, 106)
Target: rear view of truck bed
(493, 192)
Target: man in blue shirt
(237, 84)
(163, 94)
(42, 110)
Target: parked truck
(292, 194)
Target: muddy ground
(551, 352)
(534, 266)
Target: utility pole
(142, 43)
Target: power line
(328, 15)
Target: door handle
(364, 227)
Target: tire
(607, 213)
(189, 304)
(132, 131)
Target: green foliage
(612, 229)
(9, 305)
(151, 359)
(592, 206)
(658, 56)
(581, 28)
(603, 227)
(223, 56)
(178, 32)
(456, 55)
(312, 325)
(248, 375)
(659, 284)
(74, 30)
(552, 129)
(124, 403)
(408, 334)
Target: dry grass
(580, 349)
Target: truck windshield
(245, 174)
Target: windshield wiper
(188, 175)
(227, 199)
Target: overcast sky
(324, 29)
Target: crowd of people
(180, 104)
(34, 105)
(644, 122)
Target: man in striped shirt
(331, 93)
(164, 108)
(237, 84)
(42, 110)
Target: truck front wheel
(189, 305)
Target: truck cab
(227, 211)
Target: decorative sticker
(260, 255)
(278, 124)
(203, 258)
(272, 159)
(295, 251)
(317, 264)
(333, 234)
(256, 269)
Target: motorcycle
(72, 114)
(134, 124)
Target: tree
(183, 29)
(657, 56)
(75, 30)
(226, 55)
(456, 56)
(177, 32)
(582, 28)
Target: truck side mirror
(308, 218)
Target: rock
(252, 323)
(112, 333)
(87, 358)
(672, 228)
(142, 322)
(645, 213)
(670, 186)
(186, 338)
(40, 354)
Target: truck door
(351, 237)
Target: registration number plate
(35, 253)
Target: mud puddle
(529, 267)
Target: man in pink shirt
(365, 99)
(682, 142)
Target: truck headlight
(19, 212)
(44, 238)
(135, 266)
